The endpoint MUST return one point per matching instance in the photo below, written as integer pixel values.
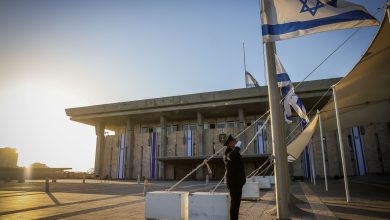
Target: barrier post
(145, 185)
(47, 185)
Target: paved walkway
(370, 197)
(70, 199)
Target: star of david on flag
(284, 19)
(313, 10)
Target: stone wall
(376, 141)
(375, 138)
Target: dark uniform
(235, 178)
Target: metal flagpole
(243, 50)
(277, 130)
(388, 9)
(323, 151)
(313, 172)
(341, 143)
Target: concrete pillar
(129, 142)
(100, 145)
(163, 146)
(141, 161)
(241, 125)
(200, 174)
(200, 128)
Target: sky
(70, 53)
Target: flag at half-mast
(290, 99)
(284, 19)
(250, 81)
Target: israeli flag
(290, 99)
(250, 81)
(284, 19)
(189, 144)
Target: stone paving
(71, 199)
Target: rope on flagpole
(254, 172)
(312, 109)
(246, 148)
(320, 64)
(216, 153)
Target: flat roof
(211, 104)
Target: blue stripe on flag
(299, 103)
(153, 156)
(285, 90)
(283, 77)
(278, 29)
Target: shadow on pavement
(53, 198)
(59, 204)
(85, 211)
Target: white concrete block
(205, 205)
(251, 190)
(250, 179)
(264, 183)
(166, 205)
(271, 178)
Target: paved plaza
(71, 199)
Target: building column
(163, 146)
(100, 145)
(200, 128)
(200, 174)
(242, 125)
(129, 142)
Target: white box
(251, 190)
(205, 205)
(250, 179)
(271, 178)
(166, 205)
(265, 183)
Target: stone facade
(175, 148)
(376, 142)
(205, 114)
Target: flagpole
(313, 171)
(323, 151)
(243, 50)
(388, 9)
(341, 144)
(277, 130)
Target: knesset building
(165, 138)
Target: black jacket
(234, 165)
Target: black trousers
(235, 200)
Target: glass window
(193, 127)
(172, 128)
(221, 125)
(144, 130)
(231, 124)
(189, 127)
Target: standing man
(235, 174)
